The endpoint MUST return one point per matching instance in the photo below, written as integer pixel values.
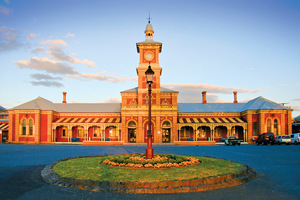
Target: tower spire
(149, 18)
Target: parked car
(295, 138)
(232, 140)
(283, 139)
(265, 138)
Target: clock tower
(149, 55)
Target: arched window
(269, 126)
(166, 124)
(132, 124)
(30, 127)
(24, 127)
(165, 103)
(276, 127)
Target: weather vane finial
(149, 19)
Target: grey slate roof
(36, 104)
(258, 103)
(44, 104)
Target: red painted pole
(149, 149)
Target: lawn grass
(88, 168)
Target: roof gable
(36, 104)
(261, 103)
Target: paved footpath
(277, 166)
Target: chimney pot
(235, 97)
(204, 101)
(64, 97)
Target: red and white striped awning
(3, 126)
(211, 120)
(87, 120)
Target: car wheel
(263, 143)
(239, 144)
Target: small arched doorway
(166, 132)
(132, 132)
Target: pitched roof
(261, 103)
(258, 103)
(131, 90)
(37, 104)
(44, 104)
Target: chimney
(64, 97)
(204, 97)
(235, 97)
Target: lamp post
(149, 150)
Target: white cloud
(101, 77)
(57, 53)
(31, 36)
(70, 35)
(46, 83)
(44, 77)
(53, 42)
(47, 65)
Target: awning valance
(87, 120)
(3, 126)
(211, 120)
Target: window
(276, 127)
(30, 127)
(255, 128)
(64, 132)
(24, 127)
(269, 125)
(147, 100)
(166, 124)
(132, 124)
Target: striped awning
(3, 126)
(87, 120)
(211, 120)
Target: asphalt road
(277, 166)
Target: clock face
(149, 55)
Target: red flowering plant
(159, 161)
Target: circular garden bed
(132, 173)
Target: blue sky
(88, 49)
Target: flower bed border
(194, 185)
(186, 163)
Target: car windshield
(286, 137)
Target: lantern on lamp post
(149, 76)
